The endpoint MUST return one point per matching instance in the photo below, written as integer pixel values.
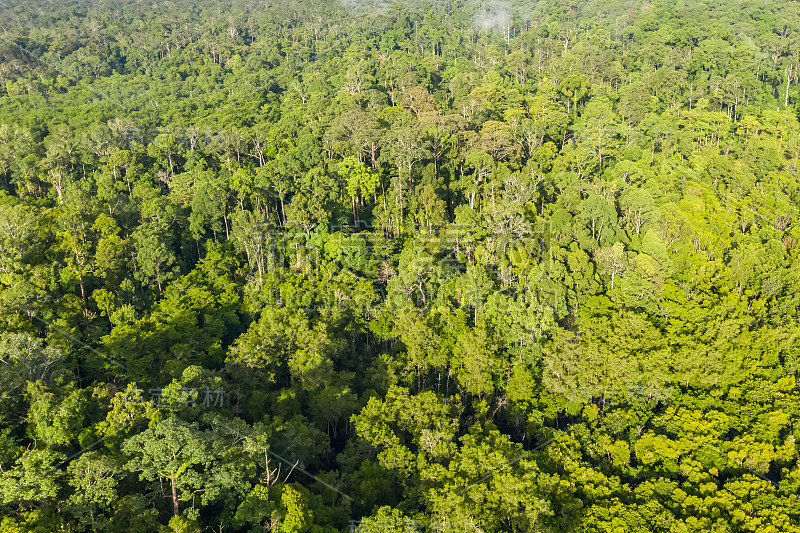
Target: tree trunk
(83, 290)
(175, 505)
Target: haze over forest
(453, 266)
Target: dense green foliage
(447, 265)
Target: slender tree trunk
(83, 290)
(175, 505)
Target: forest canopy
(327, 266)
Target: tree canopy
(443, 266)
